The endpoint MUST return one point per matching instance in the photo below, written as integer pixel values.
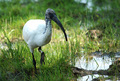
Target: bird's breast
(43, 38)
(47, 33)
(37, 33)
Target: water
(90, 5)
(96, 62)
(90, 77)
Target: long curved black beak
(59, 23)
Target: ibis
(37, 33)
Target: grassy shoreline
(16, 60)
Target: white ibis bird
(37, 33)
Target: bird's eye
(51, 15)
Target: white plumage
(37, 33)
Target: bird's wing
(33, 27)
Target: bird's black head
(50, 14)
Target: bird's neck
(48, 23)
(46, 19)
(48, 28)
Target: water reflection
(90, 77)
(97, 63)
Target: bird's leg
(34, 63)
(42, 56)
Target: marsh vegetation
(88, 30)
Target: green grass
(16, 59)
(16, 63)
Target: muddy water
(90, 77)
(96, 61)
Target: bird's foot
(42, 58)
